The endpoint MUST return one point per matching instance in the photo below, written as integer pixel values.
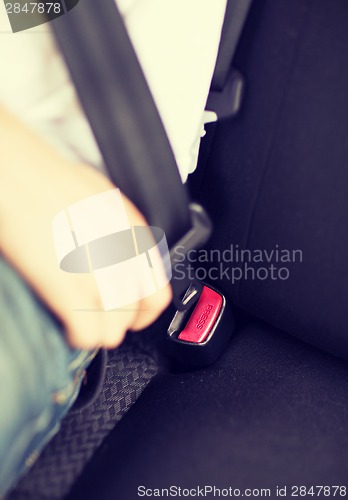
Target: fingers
(96, 329)
(93, 327)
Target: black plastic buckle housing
(186, 291)
(197, 336)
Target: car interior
(272, 411)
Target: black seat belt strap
(126, 124)
(122, 114)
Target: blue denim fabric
(40, 376)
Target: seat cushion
(272, 411)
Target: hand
(35, 190)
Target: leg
(40, 376)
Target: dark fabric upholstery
(273, 411)
(278, 174)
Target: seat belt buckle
(203, 322)
(198, 335)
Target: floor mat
(130, 368)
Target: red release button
(203, 317)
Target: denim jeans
(40, 376)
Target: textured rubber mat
(129, 370)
